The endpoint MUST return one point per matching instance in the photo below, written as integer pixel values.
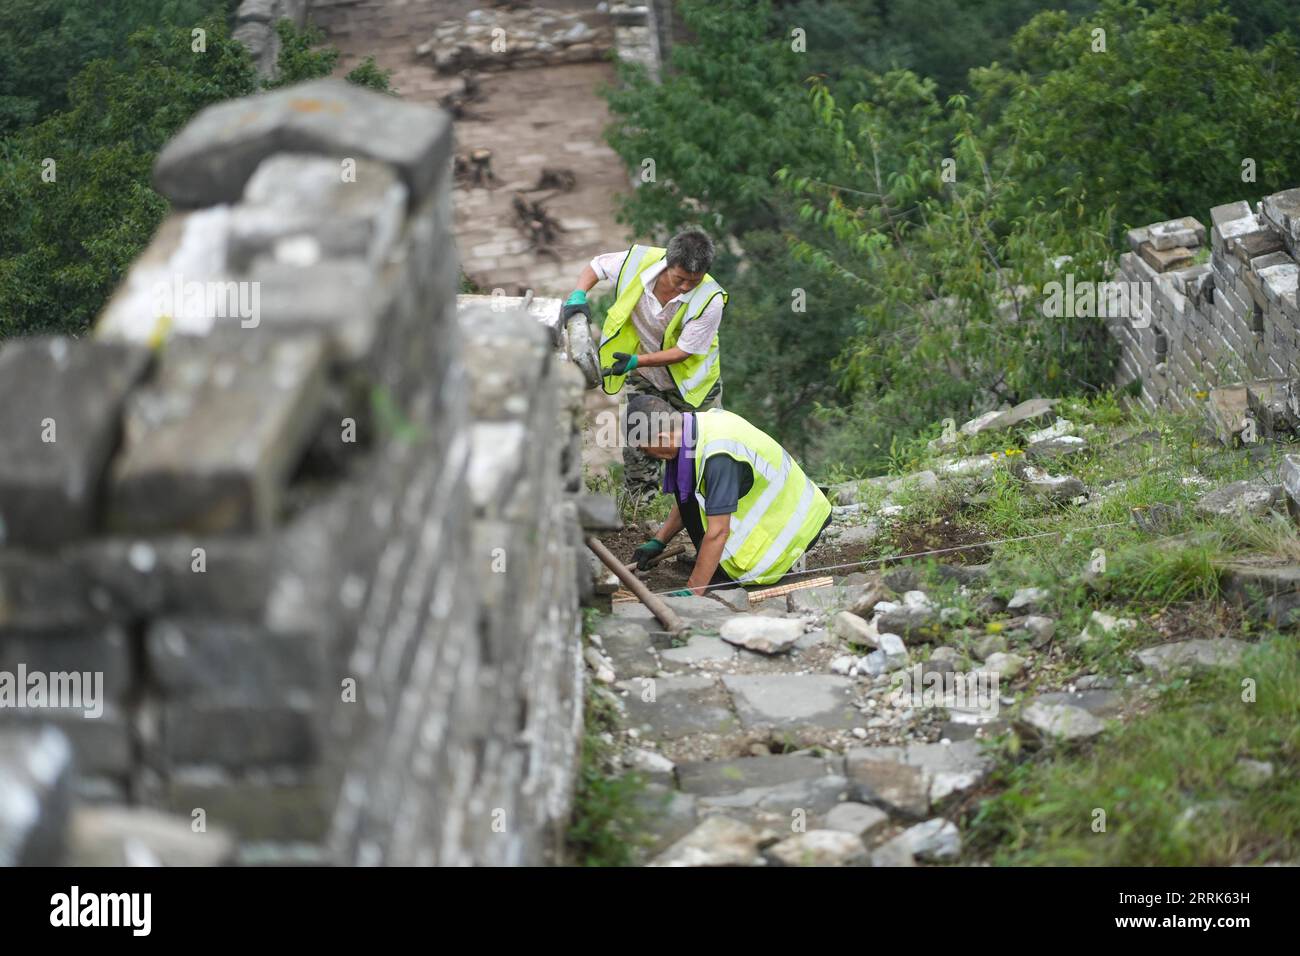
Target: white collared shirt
(650, 319)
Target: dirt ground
(667, 575)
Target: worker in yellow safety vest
(748, 507)
(660, 337)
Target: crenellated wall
(1221, 326)
(314, 525)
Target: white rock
(768, 635)
(894, 651)
(916, 599)
(1102, 624)
(717, 841)
(852, 629)
(1063, 426)
(935, 841)
(1006, 666)
(1027, 597)
(599, 663)
(1062, 720)
(649, 762)
(819, 848)
(844, 664)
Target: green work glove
(623, 364)
(647, 552)
(684, 592)
(574, 304)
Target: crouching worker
(749, 509)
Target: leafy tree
(64, 245)
(950, 269)
(45, 43)
(1160, 123)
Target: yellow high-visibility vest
(778, 517)
(695, 374)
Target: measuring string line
(921, 554)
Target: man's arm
(697, 338)
(709, 555)
(671, 526)
(588, 279)
(667, 357)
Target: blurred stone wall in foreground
(313, 526)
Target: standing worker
(748, 507)
(661, 334)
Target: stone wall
(254, 26)
(505, 39)
(315, 525)
(1220, 326)
(642, 33)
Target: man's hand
(576, 303)
(623, 363)
(647, 553)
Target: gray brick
(101, 649)
(213, 156)
(49, 488)
(211, 443)
(233, 732)
(210, 657)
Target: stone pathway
(550, 116)
(804, 754)
(776, 734)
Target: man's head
(653, 426)
(688, 257)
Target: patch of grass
(1168, 784)
(606, 823)
(631, 508)
(1144, 572)
(605, 827)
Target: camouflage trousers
(643, 475)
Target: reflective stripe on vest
(635, 256)
(783, 507)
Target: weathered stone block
(1228, 212)
(60, 408)
(1164, 260)
(129, 577)
(506, 354)
(299, 209)
(87, 651)
(256, 805)
(100, 745)
(1227, 409)
(214, 155)
(210, 445)
(1282, 211)
(206, 657)
(234, 732)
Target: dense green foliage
(44, 44)
(66, 241)
(915, 209)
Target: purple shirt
(679, 474)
